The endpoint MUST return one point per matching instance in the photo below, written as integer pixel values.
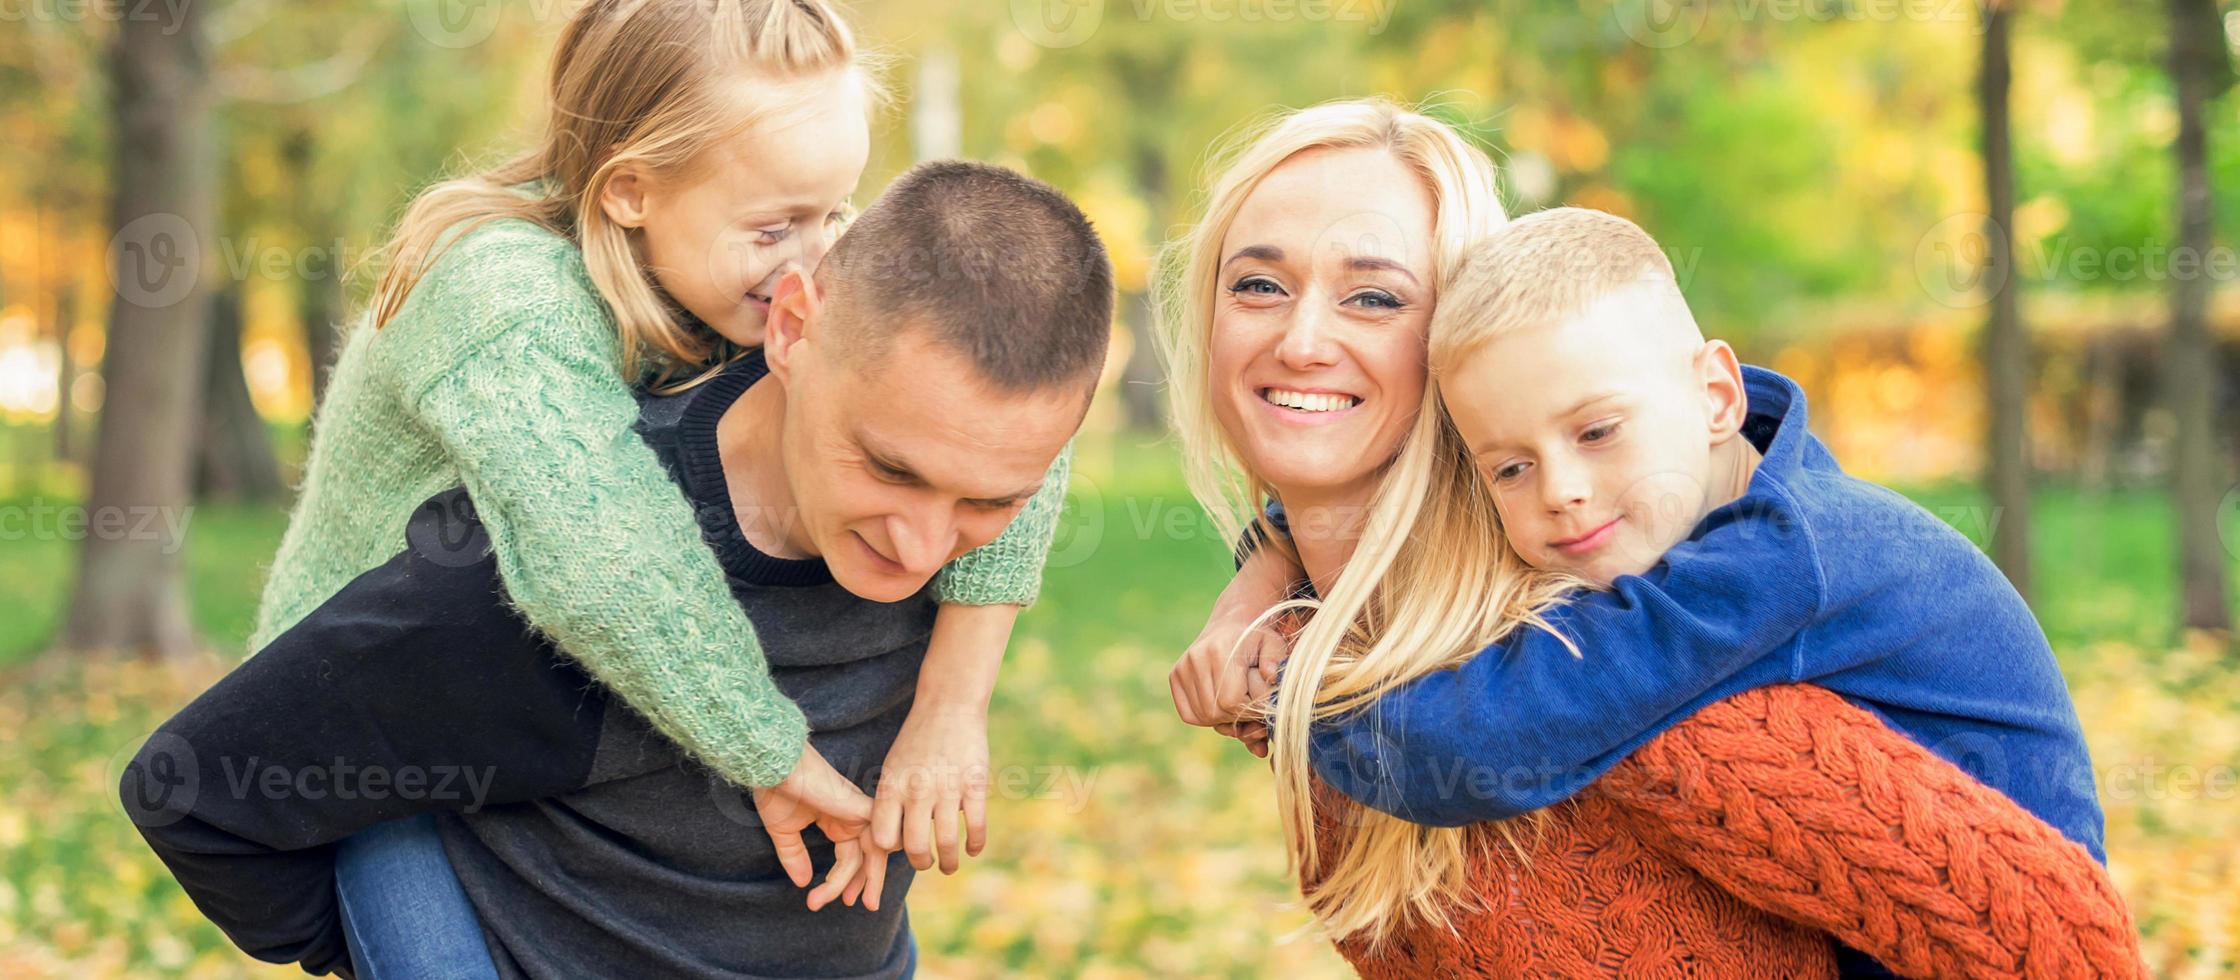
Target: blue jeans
(402, 908)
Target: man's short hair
(1002, 268)
(1544, 269)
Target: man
(912, 395)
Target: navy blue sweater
(1814, 576)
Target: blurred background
(1994, 241)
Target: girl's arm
(1804, 805)
(597, 547)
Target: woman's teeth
(1308, 401)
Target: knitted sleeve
(597, 547)
(1799, 803)
(1008, 570)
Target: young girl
(697, 150)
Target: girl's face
(767, 200)
(1325, 292)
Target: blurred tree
(130, 595)
(2200, 70)
(234, 460)
(2006, 348)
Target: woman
(1295, 337)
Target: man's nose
(924, 540)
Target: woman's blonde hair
(635, 83)
(1432, 579)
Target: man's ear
(1721, 373)
(623, 198)
(794, 308)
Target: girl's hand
(937, 767)
(870, 880)
(814, 794)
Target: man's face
(902, 460)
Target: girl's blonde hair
(1432, 579)
(635, 83)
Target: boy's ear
(794, 308)
(623, 199)
(1721, 373)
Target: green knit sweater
(502, 371)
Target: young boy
(1725, 548)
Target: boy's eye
(1599, 432)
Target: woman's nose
(1307, 341)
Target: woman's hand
(1208, 682)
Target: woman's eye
(1257, 286)
(1379, 299)
(1599, 433)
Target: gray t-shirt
(658, 867)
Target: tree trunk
(66, 370)
(1142, 377)
(2006, 349)
(2197, 474)
(130, 593)
(320, 303)
(236, 460)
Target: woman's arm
(1799, 803)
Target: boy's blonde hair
(634, 83)
(1430, 582)
(1546, 268)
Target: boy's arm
(939, 763)
(1525, 723)
(1800, 803)
(1008, 570)
(598, 547)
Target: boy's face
(1594, 434)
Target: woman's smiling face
(1325, 292)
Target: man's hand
(815, 794)
(937, 767)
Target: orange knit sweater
(1735, 843)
